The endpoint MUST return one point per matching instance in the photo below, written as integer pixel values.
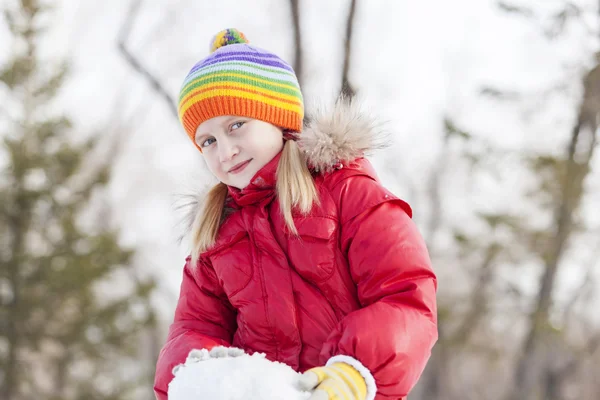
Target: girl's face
(236, 148)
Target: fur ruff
(340, 134)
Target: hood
(339, 133)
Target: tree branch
(347, 90)
(136, 64)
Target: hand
(197, 355)
(225, 352)
(339, 381)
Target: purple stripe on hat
(252, 59)
(224, 53)
(229, 51)
(234, 50)
(240, 47)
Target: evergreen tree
(72, 313)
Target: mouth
(239, 167)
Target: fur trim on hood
(340, 133)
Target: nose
(227, 150)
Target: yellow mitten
(338, 381)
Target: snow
(230, 374)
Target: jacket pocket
(233, 265)
(312, 252)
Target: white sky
(414, 62)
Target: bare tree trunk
(552, 386)
(298, 50)
(347, 90)
(579, 155)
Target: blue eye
(237, 125)
(208, 142)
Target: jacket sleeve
(392, 335)
(204, 318)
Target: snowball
(243, 377)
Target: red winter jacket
(357, 282)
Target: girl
(299, 252)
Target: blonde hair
(295, 187)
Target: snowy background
(416, 64)
(413, 62)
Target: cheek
(275, 143)
(212, 164)
(277, 146)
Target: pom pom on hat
(227, 37)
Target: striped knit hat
(240, 79)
